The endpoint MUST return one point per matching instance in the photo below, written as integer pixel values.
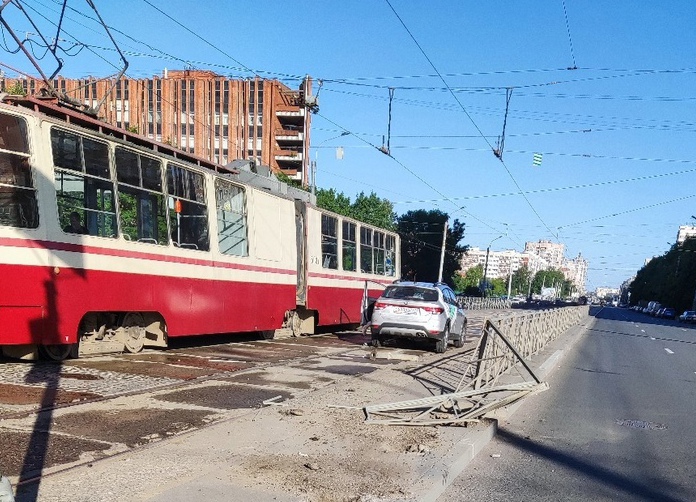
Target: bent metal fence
(494, 375)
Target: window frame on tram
(329, 241)
(231, 208)
(141, 198)
(349, 246)
(84, 163)
(188, 207)
(18, 203)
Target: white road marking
(652, 337)
(668, 351)
(642, 331)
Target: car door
(455, 313)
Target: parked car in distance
(419, 310)
(688, 316)
(652, 308)
(668, 313)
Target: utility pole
(485, 268)
(442, 253)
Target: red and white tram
(109, 241)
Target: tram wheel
(59, 352)
(134, 326)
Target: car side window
(448, 296)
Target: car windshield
(411, 293)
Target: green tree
(373, 210)
(498, 286)
(473, 277)
(281, 176)
(334, 201)
(468, 283)
(669, 279)
(520, 281)
(551, 278)
(421, 245)
(16, 89)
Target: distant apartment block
(553, 253)
(603, 292)
(536, 256)
(205, 114)
(575, 270)
(685, 232)
(502, 263)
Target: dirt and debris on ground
(324, 451)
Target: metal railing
(508, 340)
(504, 345)
(479, 303)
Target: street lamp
(316, 156)
(485, 267)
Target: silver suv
(419, 310)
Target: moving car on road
(419, 310)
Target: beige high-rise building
(537, 256)
(205, 114)
(552, 252)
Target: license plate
(405, 310)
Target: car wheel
(441, 344)
(459, 342)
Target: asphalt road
(617, 423)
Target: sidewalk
(315, 447)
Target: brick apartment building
(208, 115)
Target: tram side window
(231, 218)
(188, 214)
(84, 190)
(17, 192)
(142, 212)
(366, 250)
(390, 254)
(349, 251)
(329, 241)
(378, 252)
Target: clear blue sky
(617, 134)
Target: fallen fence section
(496, 376)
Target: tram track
(78, 433)
(195, 412)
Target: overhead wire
(247, 69)
(570, 39)
(628, 211)
(560, 189)
(469, 117)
